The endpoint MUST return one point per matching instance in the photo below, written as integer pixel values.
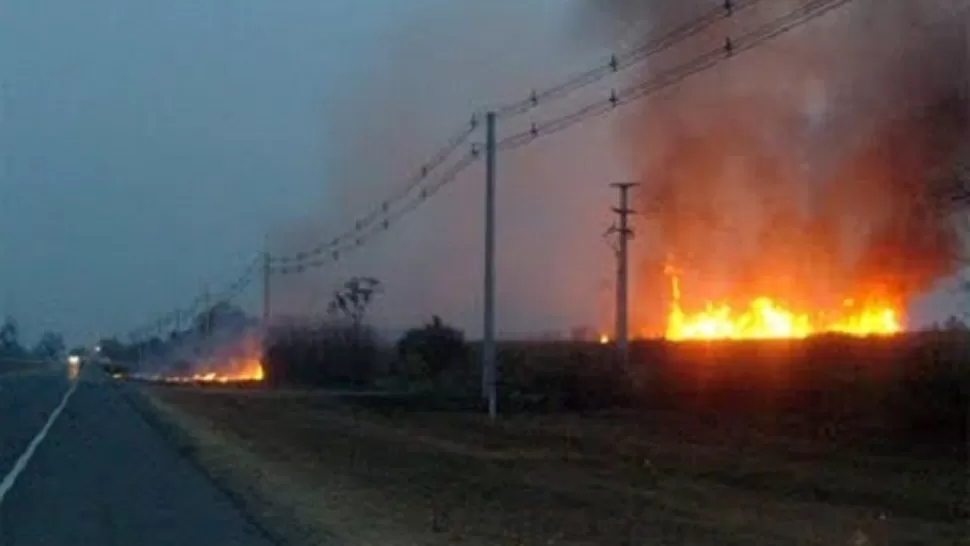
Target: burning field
(228, 363)
(764, 318)
(797, 190)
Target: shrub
(432, 349)
(325, 355)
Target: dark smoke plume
(802, 169)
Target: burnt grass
(870, 425)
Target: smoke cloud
(800, 170)
(412, 85)
(795, 169)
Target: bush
(116, 369)
(431, 350)
(561, 376)
(330, 354)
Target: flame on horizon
(234, 371)
(795, 185)
(238, 364)
(766, 318)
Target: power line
(426, 170)
(227, 294)
(357, 238)
(618, 63)
(389, 211)
(667, 78)
(377, 222)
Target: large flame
(764, 318)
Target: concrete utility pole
(624, 235)
(489, 369)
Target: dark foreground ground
(727, 445)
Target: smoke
(800, 169)
(408, 87)
(791, 169)
(227, 350)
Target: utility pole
(624, 235)
(206, 311)
(267, 272)
(489, 369)
(140, 343)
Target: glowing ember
(765, 318)
(604, 339)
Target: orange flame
(765, 318)
(238, 365)
(235, 371)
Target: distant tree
(10, 339)
(351, 301)
(112, 348)
(435, 345)
(221, 316)
(49, 346)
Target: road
(101, 474)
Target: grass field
(791, 459)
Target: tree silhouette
(50, 346)
(352, 301)
(436, 345)
(222, 315)
(10, 339)
(113, 349)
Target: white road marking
(21, 463)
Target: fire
(765, 318)
(239, 363)
(234, 371)
(604, 339)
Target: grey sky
(149, 145)
(148, 148)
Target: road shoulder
(249, 481)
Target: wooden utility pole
(624, 234)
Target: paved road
(101, 475)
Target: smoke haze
(791, 170)
(800, 170)
(444, 60)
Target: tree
(50, 346)
(113, 349)
(352, 301)
(10, 339)
(435, 345)
(221, 316)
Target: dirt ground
(349, 471)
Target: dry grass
(354, 472)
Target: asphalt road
(101, 475)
